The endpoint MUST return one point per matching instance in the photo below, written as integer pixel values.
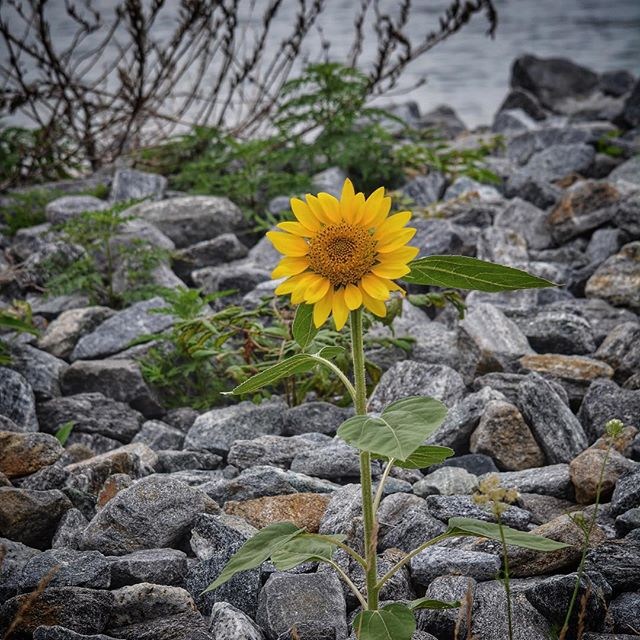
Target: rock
(229, 623)
(555, 428)
(465, 187)
(532, 188)
(425, 190)
(626, 494)
(30, 516)
(62, 334)
(312, 604)
(157, 566)
(91, 413)
(558, 161)
(67, 568)
(438, 236)
(214, 540)
(344, 507)
(528, 220)
(276, 451)
(191, 219)
(17, 401)
(438, 561)
(208, 253)
(447, 481)
(305, 510)
(502, 245)
(604, 243)
(189, 625)
(242, 278)
(129, 184)
(76, 608)
(624, 612)
(628, 171)
(158, 435)
(67, 207)
(218, 429)
(117, 332)
(120, 380)
(25, 453)
(445, 507)
(40, 369)
(621, 349)
(630, 115)
(552, 80)
(410, 378)
(586, 205)
(619, 563)
(60, 633)
(444, 120)
(617, 279)
(527, 102)
(15, 556)
(172, 461)
(552, 480)
(330, 181)
(314, 417)
(544, 508)
(154, 512)
(504, 435)
(475, 463)
(585, 470)
(68, 533)
(337, 460)
(629, 521)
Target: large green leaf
(299, 363)
(425, 456)
(303, 329)
(462, 272)
(393, 622)
(64, 431)
(398, 431)
(302, 548)
(428, 603)
(474, 527)
(256, 550)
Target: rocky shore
(117, 533)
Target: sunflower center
(342, 253)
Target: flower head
(343, 254)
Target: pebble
(157, 566)
(25, 453)
(621, 350)
(229, 623)
(551, 480)
(447, 481)
(437, 561)
(588, 478)
(618, 561)
(157, 435)
(445, 507)
(67, 568)
(335, 461)
(130, 184)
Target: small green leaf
(481, 529)
(256, 550)
(400, 429)
(302, 548)
(330, 352)
(63, 433)
(427, 603)
(392, 622)
(462, 272)
(425, 456)
(299, 363)
(303, 329)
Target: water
(470, 72)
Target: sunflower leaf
(429, 603)
(303, 329)
(302, 548)
(392, 622)
(425, 456)
(462, 272)
(299, 363)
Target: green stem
(370, 534)
(347, 383)
(381, 483)
(507, 584)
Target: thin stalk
(345, 547)
(349, 582)
(347, 383)
(507, 584)
(370, 536)
(381, 483)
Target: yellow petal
(289, 267)
(289, 284)
(391, 270)
(358, 207)
(392, 224)
(322, 309)
(317, 290)
(298, 292)
(347, 202)
(376, 307)
(289, 245)
(304, 214)
(317, 210)
(374, 286)
(396, 240)
(296, 228)
(404, 255)
(371, 206)
(330, 206)
(393, 286)
(352, 297)
(381, 214)
(340, 309)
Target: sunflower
(343, 254)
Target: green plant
(17, 318)
(64, 431)
(606, 144)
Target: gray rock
(229, 623)
(69, 531)
(512, 121)
(39, 368)
(67, 207)
(626, 495)
(120, 380)
(630, 115)
(552, 480)
(560, 160)
(337, 460)
(464, 186)
(30, 516)
(117, 332)
(214, 541)
(67, 568)
(521, 99)
(439, 236)
(208, 253)
(447, 481)
(314, 417)
(191, 219)
(154, 512)
(82, 610)
(475, 463)
(438, 561)
(158, 435)
(444, 120)
(218, 429)
(527, 219)
(425, 190)
(60, 633)
(532, 188)
(556, 429)
(628, 171)
(15, 557)
(276, 451)
(624, 613)
(172, 461)
(157, 566)
(62, 334)
(621, 349)
(17, 401)
(502, 245)
(604, 243)
(330, 181)
(312, 604)
(445, 507)
(91, 413)
(628, 521)
(129, 184)
(344, 507)
(189, 625)
(619, 563)
(410, 378)
(242, 278)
